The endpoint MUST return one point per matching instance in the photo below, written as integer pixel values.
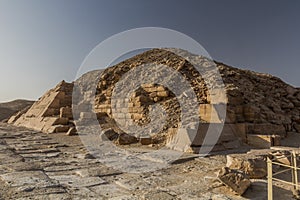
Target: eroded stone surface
(255, 166)
(66, 176)
(52, 113)
(257, 103)
(235, 180)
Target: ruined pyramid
(260, 109)
(51, 113)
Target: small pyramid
(52, 113)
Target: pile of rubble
(243, 168)
(260, 110)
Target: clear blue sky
(44, 41)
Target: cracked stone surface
(35, 165)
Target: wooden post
(295, 174)
(270, 177)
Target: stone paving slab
(53, 196)
(109, 190)
(77, 181)
(57, 168)
(8, 156)
(21, 166)
(32, 151)
(100, 171)
(41, 155)
(33, 178)
(38, 166)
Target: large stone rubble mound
(52, 113)
(261, 108)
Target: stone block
(156, 99)
(130, 105)
(135, 94)
(250, 112)
(181, 140)
(297, 127)
(82, 107)
(61, 121)
(58, 129)
(146, 140)
(241, 131)
(125, 139)
(137, 116)
(86, 115)
(35, 179)
(237, 181)
(263, 141)
(104, 106)
(137, 104)
(234, 144)
(160, 88)
(216, 96)
(72, 131)
(209, 113)
(108, 134)
(162, 94)
(230, 116)
(228, 133)
(254, 166)
(55, 103)
(236, 100)
(147, 85)
(153, 95)
(136, 109)
(50, 112)
(266, 129)
(141, 98)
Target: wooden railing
(294, 171)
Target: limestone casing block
(51, 113)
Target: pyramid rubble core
(260, 110)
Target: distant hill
(9, 108)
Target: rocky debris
(109, 134)
(125, 139)
(52, 113)
(235, 180)
(254, 166)
(260, 108)
(296, 127)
